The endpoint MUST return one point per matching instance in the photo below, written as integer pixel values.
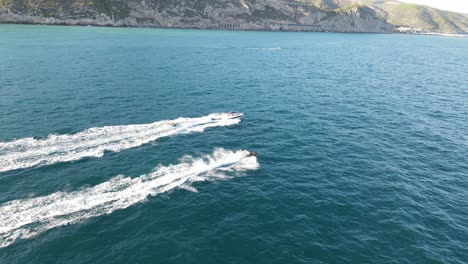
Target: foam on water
(93, 142)
(26, 218)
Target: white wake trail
(26, 218)
(93, 142)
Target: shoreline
(188, 27)
(440, 34)
(234, 30)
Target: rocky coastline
(227, 15)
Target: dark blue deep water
(362, 142)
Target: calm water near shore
(362, 143)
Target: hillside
(401, 14)
(299, 15)
(222, 14)
(424, 17)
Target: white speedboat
(234, 115)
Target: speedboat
(234, 115)
(230, 115)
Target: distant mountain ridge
(299, 15)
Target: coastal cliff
(281, 15)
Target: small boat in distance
(228, 115)
(234, 115)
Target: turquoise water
(362, 147)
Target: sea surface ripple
(362, 145)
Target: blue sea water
(362, 144)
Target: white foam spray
(26, 218)
(93, 142)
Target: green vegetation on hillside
(404, 14)
(419, 16)
(68, 8)
(346, 8)
(113, 8)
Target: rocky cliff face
(210, 14)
